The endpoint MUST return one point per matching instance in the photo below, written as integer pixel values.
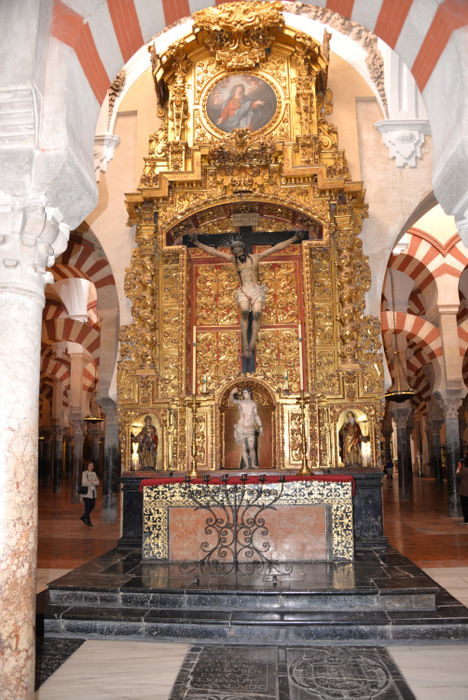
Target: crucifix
(250, 295)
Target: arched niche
(228, 415)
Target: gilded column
(30, 236)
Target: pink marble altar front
(290, 520)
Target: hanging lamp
(399, 394)
(94, 413)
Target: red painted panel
(126, 26)
(175, 10)
(391, 19)
(344, 7)
(451, 15)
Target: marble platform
(380, 598)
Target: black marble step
(382, 596)
(261, 627)
(408, 598)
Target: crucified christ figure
(250, 295)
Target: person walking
(89, 479)
(462, 481)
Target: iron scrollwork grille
(237, 524)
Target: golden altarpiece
(275, 168)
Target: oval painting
(240, 101)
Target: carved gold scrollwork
(295, 437)
(326, 374)
(217, 357)
(278, 353)
(281, 300)
(216, 287)
(324, 325)
(239, 35)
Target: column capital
(400, 414)
(32, 234)
(450, 405)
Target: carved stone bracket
(104, 146)
(404, 139)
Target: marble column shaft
(27, 233)
(112, 462)
(433, 430)
(400, 415)
(450, 407)
(78, 468)
(58, 460)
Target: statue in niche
(350, 442)
(147, 440)
(250, 295)
(249, 426)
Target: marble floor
(130, 670)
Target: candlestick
(301, 371)
(204, 384)
(194, 361)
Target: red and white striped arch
(80, 260)
(67, 329)
(426, 258)
(419, 30)
(414, 328)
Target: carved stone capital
(451, 406)
(404, 139)
(32, 234)
(400, 415)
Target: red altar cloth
(249, 479)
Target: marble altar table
(245, 518)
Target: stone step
(409, 598)
(252, 627)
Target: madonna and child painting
(241, 101)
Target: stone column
(69, 455)
(450, 407)
(462, 425)
(29, 232)
(78, 436)
(400, 414)
(78, 361)
(409, 432)
(58, 460)
(433, 431)
(93, 433)
(112, 462)
(47, 458)
(387, 430)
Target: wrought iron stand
(236, 524)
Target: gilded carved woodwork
(283, 172)
(240, 35)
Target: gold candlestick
(194, 473)
(304, 470)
